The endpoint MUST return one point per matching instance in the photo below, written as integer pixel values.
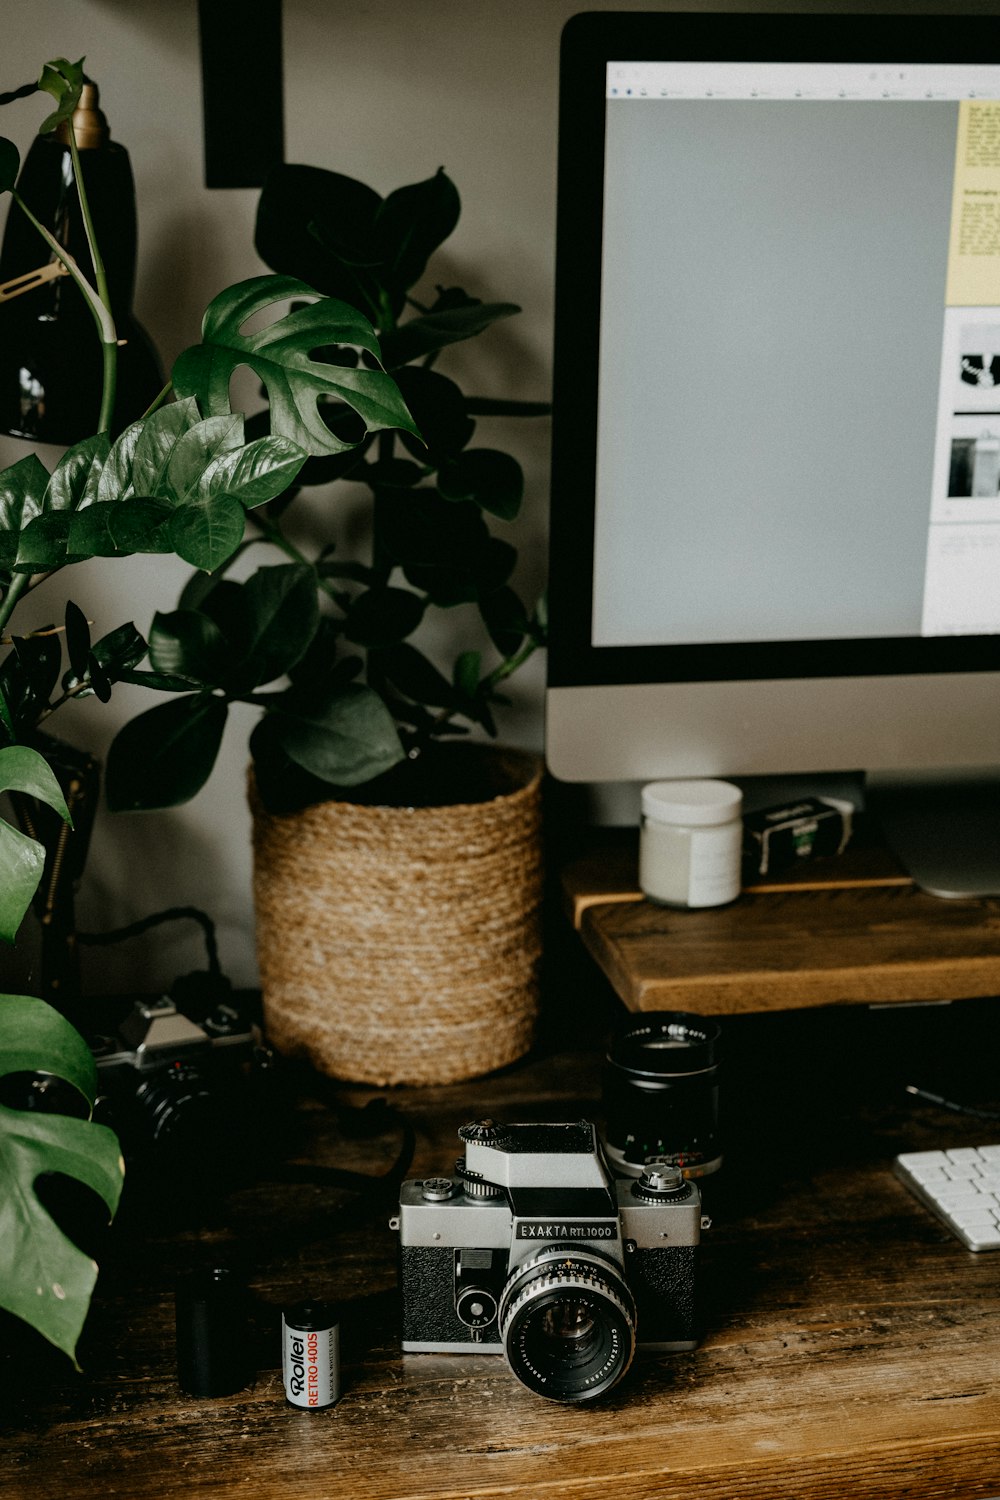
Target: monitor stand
(946, 834)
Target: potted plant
(397, 872)
(181, 479)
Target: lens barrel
(567, 1322)
(661, 1093)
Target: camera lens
(661, 1093)
(567, 1321)
(178, 1108)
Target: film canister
(213, 1347)
(310, 1355)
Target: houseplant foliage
(346, 693)
(44, 1278)
(180, 480)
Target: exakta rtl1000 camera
(534, 1250)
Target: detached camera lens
(661, 1093)
(567, 1321)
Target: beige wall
(384, 90)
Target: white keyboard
(961, 1186)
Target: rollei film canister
(310, 1355)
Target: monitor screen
(776, 468)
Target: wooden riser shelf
(846, 930)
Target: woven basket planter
(402, 944)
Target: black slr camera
(533, 1249)
(180, 1086)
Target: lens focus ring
(567, 1323)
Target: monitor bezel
(590, 41)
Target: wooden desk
(851, 929)
(851, 1345)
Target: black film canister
(661, 1093)
(213, 1347)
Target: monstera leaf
(280, 354)
(22, 859)
(44, 1278)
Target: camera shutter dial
(437, 1189)
(662, 1182)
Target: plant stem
(17, 587)
(109, 347)
(512, 663)
(101, 314)
(73, 692)
(88, 222)
(158, 401)
(274, 534)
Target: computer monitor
(775, 542)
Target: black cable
(172, 914)
(952, 1104)
(21, 93)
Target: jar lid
(698, 802)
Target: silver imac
(775, 538)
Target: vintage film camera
(178, 1086)
(535, 1251)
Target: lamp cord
(171, 914)
(21, 93)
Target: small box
(776, 837)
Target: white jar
(691, 842)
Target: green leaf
(188, 645)
(431, 331)
(280, 354)
(439, 409)
(466, 673)
(165, 756)
(88, 534)
(76, 477)
(44, 543)
(161, 682)
(195, 451)
(119, 650)
(346, 740)
(410, 224)
(30, 673)
(64, 81)
(505, 619)
(156, 442)
(22, 859)
(10, 164)
(205, 534)
(253, 474)
(44, 1278)
(25, 770)
(383, 616)
(283, 614)
(317, 225)
(140, 524)
(22, 493)
(77, 638)
(413, 675)
(116, 477)
(493, 480)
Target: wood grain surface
(776, 949)
(852, 1347)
